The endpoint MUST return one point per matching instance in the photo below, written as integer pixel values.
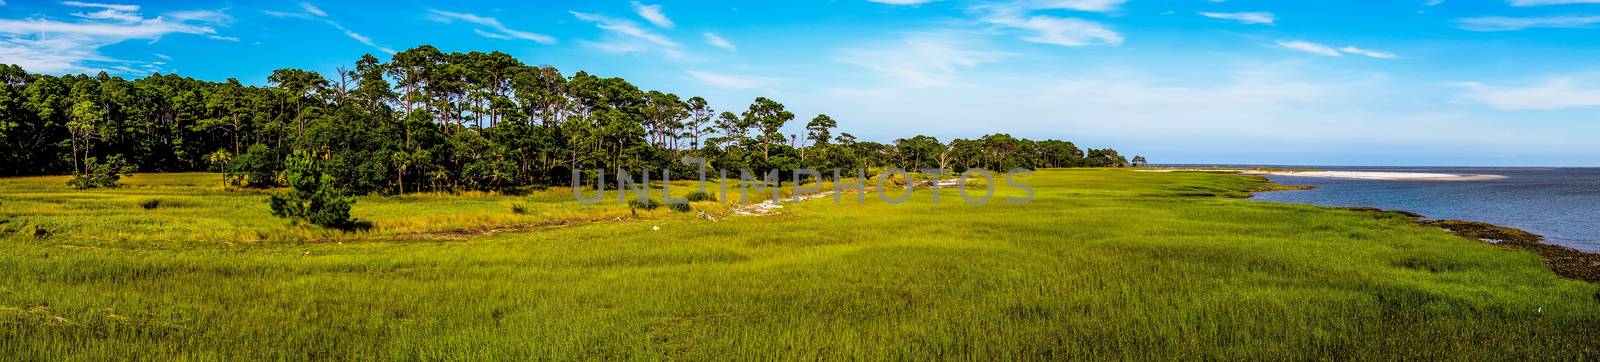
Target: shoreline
(1347, 175)
(1379, 175)
(1564, 261)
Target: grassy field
(1102, 264)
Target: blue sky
(1403, 82)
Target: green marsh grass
(1103, 264)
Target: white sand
(1374, 175)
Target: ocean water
(1562, 204)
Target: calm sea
(1562, 204)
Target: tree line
(428, 120)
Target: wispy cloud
(1254, 17)
(500, 31)
(920, 59)
(117, 7)
(313, 9)
(1500, 23)
(1324, 50)
(1309, 47)
(1047, 29)
(207, 16)
(1368, 52)
(49, 45)
(1551, 2)
(653, 14)
(1078, 5)
(733, 81)
(717, 41)
(116, 12)
(312, 12)
(1553, 94)
(624, 36)
(902, 2)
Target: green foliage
(257, 167)
(698, 196)
(680, 207)
(644, 204)
(429, 120)
(150, 204)
(519, 209)
(102, 174)
(312, 197)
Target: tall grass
(1102, 264)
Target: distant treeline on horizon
(428, 120)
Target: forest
(427, 120)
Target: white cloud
(313, 9)
(1368, 52)
(500, 30)
(1320, 49)
(316, 14)
(920, 59)
(1556, 93)
(1500, 23)
(1062, 31)
(117, 12)
(624, 36)
(1432, 2)
(1551, 2)
(110, 15)
(58, 46)
(1309, 47)
(117, 7)
(1079, 5)
(208, 16)
(653, 14)
(903, 2)
(1254, 17)
(1048, 29)
(717, 41)
(731, 81)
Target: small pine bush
(102, 174)
(519, 209)
(698, 196)
(644, 204)
(312, 197)
(680, 207)
(150, 204)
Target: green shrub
(150, 204)
(646, 204)
(312, 197)
(256, 167)
(102, 174)
(680, 207)
(698, 196)
(519, 209)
